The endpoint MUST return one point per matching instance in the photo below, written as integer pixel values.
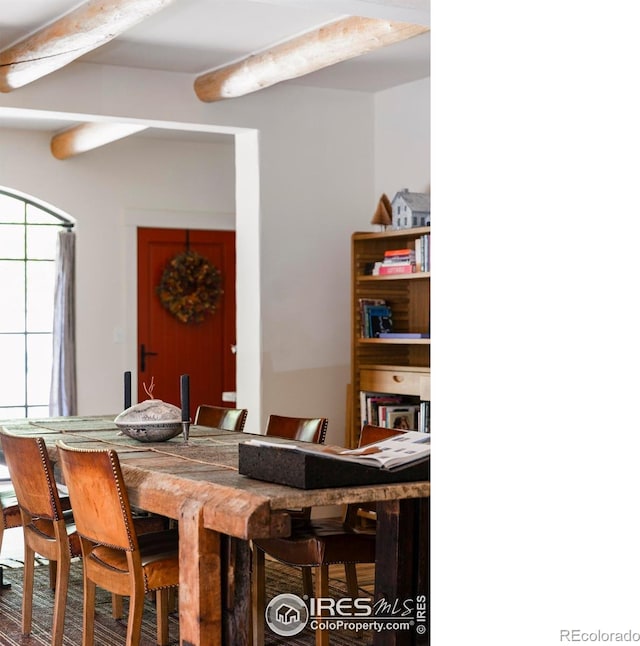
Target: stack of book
(397, 261)
(423, 255)
(375, 317)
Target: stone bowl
(150, 421)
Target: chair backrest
(307, 429)
(370, 434)
(101, 509)
(32, 475)
(229, 419)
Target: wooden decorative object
(382, 216)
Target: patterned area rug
(110, 632)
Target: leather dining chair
(228, 419)
(307, 429)
(115, 556)
(47, 524)
(316, 544)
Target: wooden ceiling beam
(87, 27)
(335, 42)
(88, 136)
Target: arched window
(28, 234)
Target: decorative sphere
(150, 421)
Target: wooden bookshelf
(397, 365)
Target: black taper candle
(127, 389)
(184, 397)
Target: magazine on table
(393, 453)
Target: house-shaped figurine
(410, 210)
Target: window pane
(36, 215)
(12, 374)
(41, 242)
(37, 411)
(38, 369)
(40, 286)
(12, 413)
(11, 241)
(12, 296)
(11, 210)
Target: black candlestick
(127, 389)
(184, 397)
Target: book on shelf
(370, 404)
(422, 252)
(399, 255)
(397, 268)
(375, 317)
(424, 417)
(394, 253)
(363, 305)
(380, 319)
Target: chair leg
(173, 599)
(27, 589)
(162, 611)
(257, 596)
(134, 625)
(307, 582)
(88, 615)
(116, 606)
(60, 603)
(351, 577)
(53, 573)
(322, 590)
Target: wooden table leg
(236, 591)
(200, 591)
(402, 565)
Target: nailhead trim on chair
(111, 453)
(43, 451)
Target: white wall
(320, 173)
(403, 138)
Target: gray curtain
(63, 396)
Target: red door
(168, 347)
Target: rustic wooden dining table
(219, 511)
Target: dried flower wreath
(190, 287)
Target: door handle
(144, 353)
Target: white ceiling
(195, 36)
